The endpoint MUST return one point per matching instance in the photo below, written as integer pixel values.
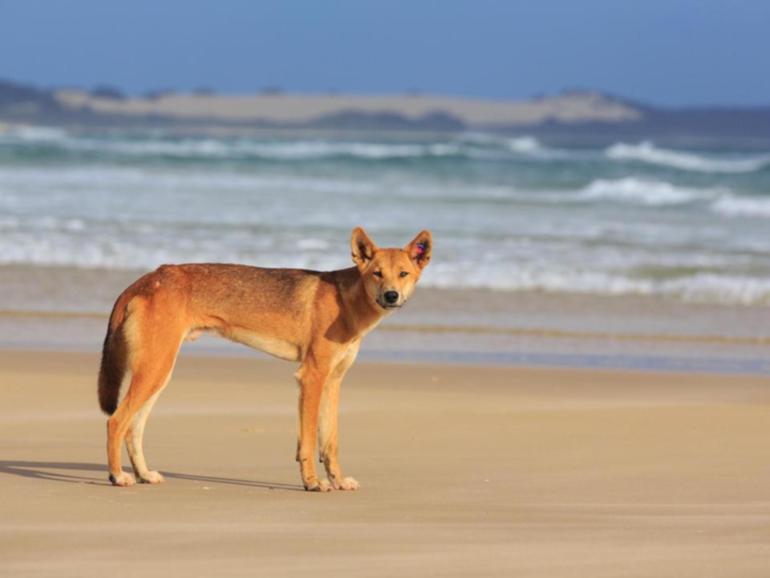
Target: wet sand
(66, 308)
(465, 471)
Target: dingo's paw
(319, 486)
(123, 480)
(346, 484)
(151, 478)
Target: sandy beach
(465, 471)
(577, 387)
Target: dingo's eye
(378, 274)
(403, 274)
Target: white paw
(151, 478)
(346, 484)
(324, 486)
(123, 480)
(319, 486)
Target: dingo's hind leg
(153, 345)
(135, 436)
(132, 415)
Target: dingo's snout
(390, 298)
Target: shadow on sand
(82, 473)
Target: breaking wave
(647, 152)
(646, 192)
(525, 217)
(733, 206)
(68, 243)
(468, 145)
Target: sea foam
(733, 206)
(32, 134)
(698, 287)
(243, 149)
(647, 152)
(508, 213)
(645, 192)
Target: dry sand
(465, 471)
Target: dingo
(315, 318)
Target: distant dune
(567, 108)
(572, 114)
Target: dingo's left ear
(420, 248)
(363, 248)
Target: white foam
(32, 134)
(494, 147)
(503, 228)
(727, 289)
(475, 146)
(645, 192)
(471, 145)
(269, 150)
(517, 267)
(733, 206)
(99, 180)
(312, 244)
(647, 152)
(519, 144)
(112, 178)
(524, 144)
(700, 287)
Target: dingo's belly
(277, 347)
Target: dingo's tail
(114, 357)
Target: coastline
(556, 472)
(62, 308)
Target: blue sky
(670, 52)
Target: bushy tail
(114, 358)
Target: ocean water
(510, 214)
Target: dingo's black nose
(391, 297)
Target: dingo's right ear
(363, 248)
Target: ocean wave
(523, 224)
(32, 134)
(308, 150)
(524, 144)
(96, 180)
(647, 152)
(64, 244)
(521, 144)
(727, 289)
(142, 246)
(484, 146)
(733, 206)
(241, 149)
(470, 145)
(645, 192)
(112, 178)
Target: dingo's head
(389, 275)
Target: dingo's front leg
(329, 437)
(328, 425)
(311, 379)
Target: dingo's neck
(354, 298)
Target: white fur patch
(276, 347)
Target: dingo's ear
(420, 248)
(363, 248)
